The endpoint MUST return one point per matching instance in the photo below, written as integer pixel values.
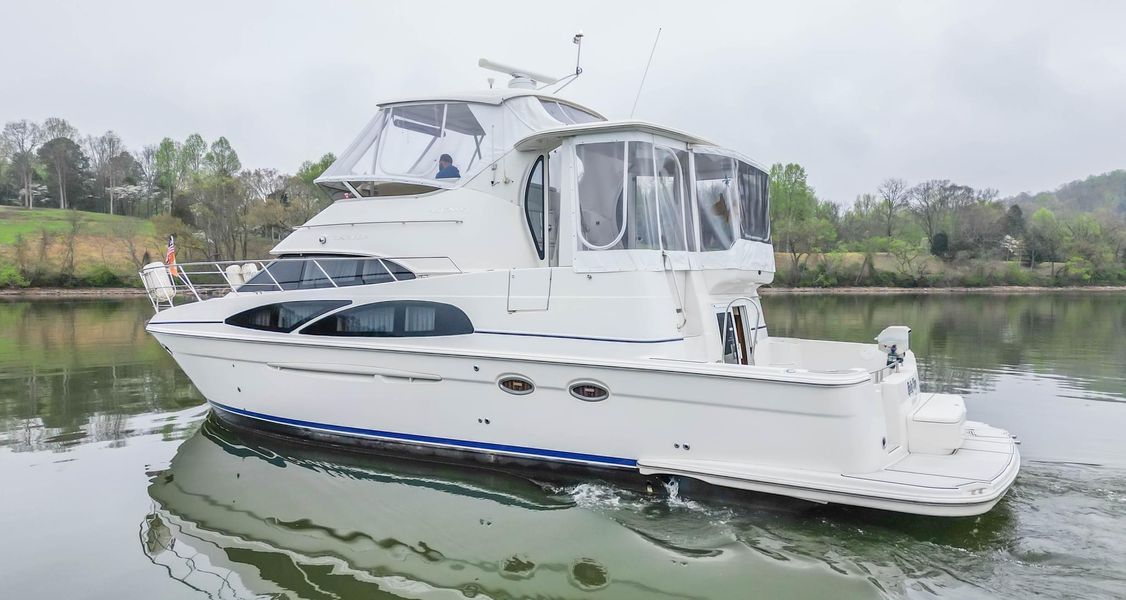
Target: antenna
(646, 73)
(521, 78)
(578, 41)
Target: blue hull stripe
(579, 337)
(426, 439)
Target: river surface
(115, 484)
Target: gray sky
(1020, 96)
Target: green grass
(28, 223)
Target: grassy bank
(65, 248)
(52, 248)
(921, 271)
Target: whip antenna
(646, 73)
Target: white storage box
(936, 426)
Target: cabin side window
(601, 171)
(716, 200)
(754, 204)
(673, 199)
(534, 205)
(405, 318)
(634, 196)
(642, 231)
(283, 317)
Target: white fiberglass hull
(821, 442)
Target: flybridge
(400, 152)
(419, 145)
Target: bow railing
(195, 281)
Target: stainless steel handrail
(198, 279)
(758, 322)
(881, 373)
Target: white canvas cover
(744, 255)
(635, 211)
(405, 142)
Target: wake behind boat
(508, 273)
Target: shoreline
(42, 293)
(997, 289)
(47, 293)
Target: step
(936, 426)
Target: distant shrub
(1109, 274)
(825, 280)
(1077, 271)
(11, 277)
(976, 278)
(102, 277)
(1016, 275)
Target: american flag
(170, 257)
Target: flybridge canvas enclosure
(405, 142)
(651, 204)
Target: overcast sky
(1019, 96)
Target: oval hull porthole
(588, 391)
(515, 384)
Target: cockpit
(421, 146)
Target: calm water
(115, 485)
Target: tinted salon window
(284, 317)
(406, 318)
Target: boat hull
(821, 443)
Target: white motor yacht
(507, 274)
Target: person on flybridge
(446, 168)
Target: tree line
(189, 187)
(925, 231)
(939, 232)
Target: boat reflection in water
(235, 518)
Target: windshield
(437, 141)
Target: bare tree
(53, 129)
(126, 232)
(894, 195)
(104, 151)
(910, 259)
(959, 201)
(264, 184)
(75, 220)
(927, 204)
(149, 175)
(19, 141)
